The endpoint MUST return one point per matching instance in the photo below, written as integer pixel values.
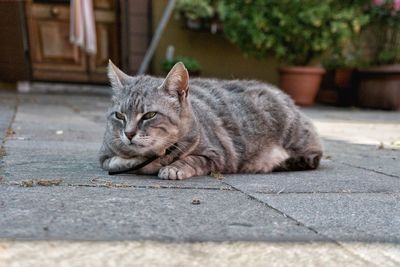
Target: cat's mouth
(140, 144)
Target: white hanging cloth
(82, 25)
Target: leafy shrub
(194, 9)
(381, 38)
(191, 64)
(295, 31)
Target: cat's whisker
(170, 144)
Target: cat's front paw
(172, 173)
(117, 163)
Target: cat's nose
(130, 134)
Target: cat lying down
(177, 128)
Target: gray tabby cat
(209, 125)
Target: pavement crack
(9, 131)
(279, 211)
(109, 184)
(324, 192)
(123, 185)
(301, 224)
(367, 169)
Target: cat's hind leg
(307, 161)
(304, 148)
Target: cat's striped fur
(211, 125)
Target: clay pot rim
(395, 68)
(303, 69)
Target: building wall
(218, 57)
(135, 32)
(13, 65)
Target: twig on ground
(109, 184)
(217, 175)
(280, 191)
(38, 182)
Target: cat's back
(243, 107)
(263, 124)
(239, 96)
(235, 89)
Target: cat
(206, 125)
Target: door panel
(104, 4)
(54, 58)
(50, 48)
(55, 46)
(106, 45)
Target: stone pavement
(54, 197)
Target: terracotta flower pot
(379, 87)
(301, 83)
(343, 78)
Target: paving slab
(150, 253)
(54, 123)
(351, 114)
(93, 107)
(8, 104)
(361, 217)
(368, 139)
(376, 158)
(356, 126)
(59, 138)
(87, 213)
(346, 212)
(330, 177)
(367, 224)
(379, 253)
(77, 164)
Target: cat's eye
(149, 115)
(120, 116)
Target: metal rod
(156, 37)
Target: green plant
(194, 9)
(191, 64)
(295, 31)
(345, 56)
(381, 38)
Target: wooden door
(107, 36)
(53, 56)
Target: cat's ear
(117, 77)
(177, 80)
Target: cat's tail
(309, 161)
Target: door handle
(55, 11)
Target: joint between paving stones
(298, 223)
(326, 192)
(109, 184)
(367, 169)
(113, 185)
(3, 151)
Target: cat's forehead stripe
(134, 102)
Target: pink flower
(378, 2)
(396, 5)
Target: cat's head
(148, 114)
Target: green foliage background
(296, 31)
